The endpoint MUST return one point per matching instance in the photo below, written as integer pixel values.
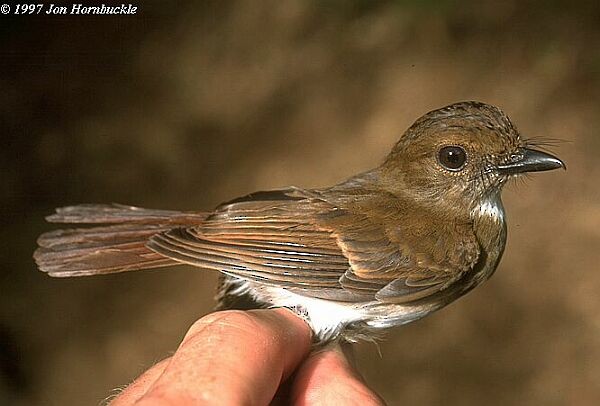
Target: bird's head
(461, 154)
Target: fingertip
(327, 377)
(234, 356)
(138, 388)
(293, 324)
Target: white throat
(490, 208)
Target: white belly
(329, 319)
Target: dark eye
(452, 158)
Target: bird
(380, 249)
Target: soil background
(185, 105)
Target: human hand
(243, 358)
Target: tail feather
(107, 249)
(96, 236)
(119, 213)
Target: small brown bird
(381, 249)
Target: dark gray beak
(531, 160)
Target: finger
(140, 386)
(233, 358)
(327, 378)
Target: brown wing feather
(270, 241)
(398, 250)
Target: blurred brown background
(185, 105)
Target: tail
(117, 246)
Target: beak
(531, 160)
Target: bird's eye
(452, 157)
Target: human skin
(242, 358)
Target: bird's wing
(399, 252)
(267, 236)
(399, 266)
(295, 239)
